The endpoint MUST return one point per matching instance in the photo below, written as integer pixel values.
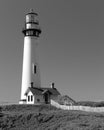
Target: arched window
(34, 69)
(28, 98)
(31, 97)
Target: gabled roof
(65, 100)
(54, 91)
(35, 91)
(41, 91)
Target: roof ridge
(36, 88)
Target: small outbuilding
(36, 95)
(66, 100)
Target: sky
(70, 49)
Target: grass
(46, 117)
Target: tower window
(32, 18)
(29, 33)
(36, 33)
(34, 69)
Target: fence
(81, 108)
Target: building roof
(53, 91)
(41, 91)
(65, 100)
(31, 12)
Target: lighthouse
(30, 72)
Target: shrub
(91, 104)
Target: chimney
(52, 85)
(31, 84)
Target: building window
(32, 18)
(28, 98)
(36, 34)
(31, 97)
(38, 100)
(29, 33)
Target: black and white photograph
(52, 65)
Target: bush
(91, 104)
(49, 118)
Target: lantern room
(32, 27)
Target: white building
(31, 72)
(33, 94)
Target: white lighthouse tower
(30, 73)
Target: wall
(81, 108)
(53, 97)
(29, 59)
(40, 97)
(30, 94)
(35, 99)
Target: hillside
(46, 117)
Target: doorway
(46, 97)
